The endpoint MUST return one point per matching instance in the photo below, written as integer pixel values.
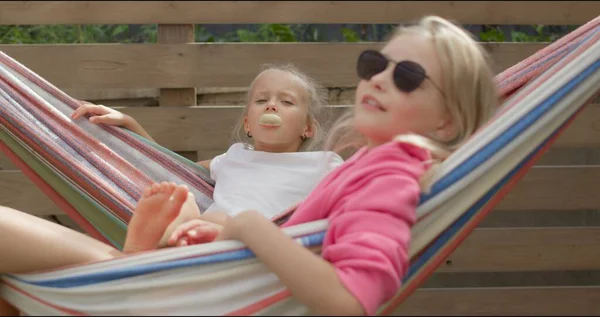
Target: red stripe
(262, 304)
(62, 309)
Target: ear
(446, 131)
(246, 124)
(309, 130)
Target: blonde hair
(317, 99)
(468, 84)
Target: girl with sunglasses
(418, 99)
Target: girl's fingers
(89, 108)
(110, 119)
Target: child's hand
(194, 231)
(102, 114)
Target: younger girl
(272, 165)
(418, 99)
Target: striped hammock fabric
(96, 174)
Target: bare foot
(189, 211)
(159, 206)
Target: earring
(303, 138)
(249, 134)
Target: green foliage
(350, 35)
(64, 34)
(87, 33)
(542, 33)
(492, 34)
(265, 33)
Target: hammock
(97, 173)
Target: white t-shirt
(267, 182)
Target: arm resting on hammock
(316, 284)
(133, 125)
(364, 254)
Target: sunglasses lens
(408, 76)
(370, 63)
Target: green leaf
(519, 36)
(120, 29)
(492, 35)
(350, 35)
(247, 36)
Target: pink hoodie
(370, 202)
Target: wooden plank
(571, 156)
(176, 34)
(5, 163)
(109, 94)
(542, 218)
(544, 188)
(561, 301)
(527, 249)
(101, 66)
(209, 128)
(226, 12)
(555, 188)
(18, 192)
(559, 189)
(513, 279)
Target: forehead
(278, 80)
(414, 47)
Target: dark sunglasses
(408, 75)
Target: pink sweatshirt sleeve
(368, 240)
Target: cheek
(293, 116)
(253, 115)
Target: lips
(371, 103)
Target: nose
(381, 81)
(271, 106)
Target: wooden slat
(102, 66)
(5, 163)
(209, 128)
(571, 156)
(549, 301)
(18, 192)
(513, 279)
(176, 34)
(559, 189)
(197, 12)
(527, 249)
(555, 188)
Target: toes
(177, 199)
(147, 191)
(179, 195)
(167, 188)
(155, 188)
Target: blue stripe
(459, 223)
(502, 140)
(453, 229)
(120, 273)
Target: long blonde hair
(468, 84)
(317, 99)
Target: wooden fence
(537, 253)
